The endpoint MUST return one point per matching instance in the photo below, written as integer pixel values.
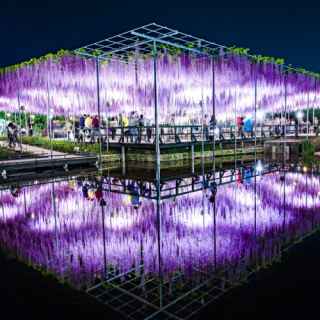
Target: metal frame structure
(123, 46)
(140, 40)
(128, 296)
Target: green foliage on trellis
(171, 50)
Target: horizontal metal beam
(169, 43)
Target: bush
(308, 148)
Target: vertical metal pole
(157, 149)
(107, 127)
(104, 242)
(74, 126)
(215, 231)
(26, 121)
(53, 201)
(213, 114)
(308, 101)
(136, 83)
(99, 113)
(48, 111)
(157, 142)
(2, 207)
(255, 113)
(202, 136)
(20, 124)
(192, 158)
(315, 101)
(284, 155)
(284, 200)
(255, 219)
(285, 113)
(25, 202)
(235, 128)
(123, 159)
(49, 120)
(255, 71)
(156, 116)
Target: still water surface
(86, 230)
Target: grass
(7, 154)
(61, 145)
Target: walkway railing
(192, 133)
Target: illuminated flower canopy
(68, 86)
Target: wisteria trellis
(68, 86)
(196, 234)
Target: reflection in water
(240, 225)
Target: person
(206, 127)
(277, 126)
(95, 122)
(213, 189)
(132, 132)
(296, 126)
(141, 125)
(123, 122)
(316, 125)
(248, 126)
(15, 191)
(81, 121)
(68, 129)
(3, 126)
(212, 122)
(240, 124)
(149, 134)
(88, 122)
(239, 177)
(247, 175)
(12, 134)
(85, 190)
(77, 131)
(98, 193)
(95, 127)
(112, 127)
(30, 127)
(134, 195)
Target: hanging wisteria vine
(67, 86)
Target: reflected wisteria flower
(55, 226)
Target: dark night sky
(33, 29)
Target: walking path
(37, 151)
(41, 157)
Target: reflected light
(299, 115)
(259, 167)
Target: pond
(161, 250)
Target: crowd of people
(93, 189)
(137, 128)
(90, 128)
